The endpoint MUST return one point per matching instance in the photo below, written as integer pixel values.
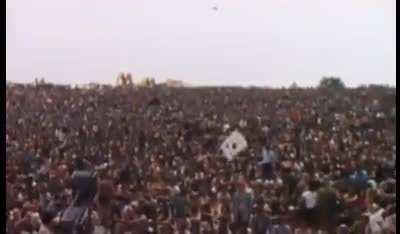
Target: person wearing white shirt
(310, 199)
(44, 230)
(389, 224)
(268, 162)
(308, 205)
(376, 221)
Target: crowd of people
(316, 160)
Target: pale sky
(244, 42)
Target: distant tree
(293, 86)
(148, 82)
(380, 87)
(331, 83)
(362, 86)
(128, 79)
(120, 79)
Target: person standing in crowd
(179, 209)
(269, 160)
(241, 207)
(144, 142)
(261, 222)
(308, 204)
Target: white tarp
(233, 145)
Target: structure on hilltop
(174, 83)
(149, 82)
